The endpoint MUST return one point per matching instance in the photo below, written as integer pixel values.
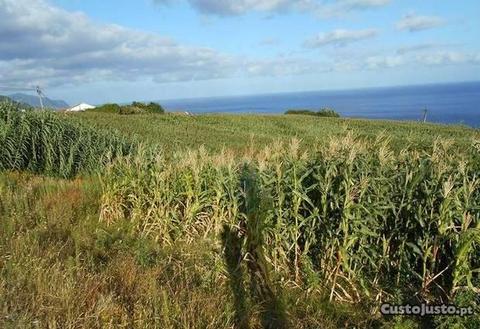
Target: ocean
(455, 103)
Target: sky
(119, 51)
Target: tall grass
(62, 268)
(43, 142)
(265, 238)
(351, 217)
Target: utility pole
(39, 92)
(425, 115)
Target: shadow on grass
(233, 255)
(272, 310)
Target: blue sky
(104, 51)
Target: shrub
(108, 108)
(326, 112)
(134, 108)
(149, 108)
(130, 109)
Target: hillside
(35, 102)
(10, 100)
(240, 132)
(5, 99)
(225, 221)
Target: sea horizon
(447, 103)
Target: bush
(126, 110)
(326, 112)
(150, 107)
(134, 108)
(108, 108)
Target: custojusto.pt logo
(425, 309)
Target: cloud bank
(43, 44)
(423, 59)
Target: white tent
(80, 107)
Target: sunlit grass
(238, 132)
(219, 221)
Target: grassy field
(239, 132)
(225, 221)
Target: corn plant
(355, 219)
(43, 142)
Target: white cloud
(242, 7)
(448, 57)
(342, 7)
(340, 37)
(238, 7)
(375, 62)
(421, 47)
(416, 23)
(364, 4)
(43, 44)
(286, 67)
(422, 59)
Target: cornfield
(349, 217)
(42, 142)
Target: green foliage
(364, 220)
(45, 143)
(107, 108)
(462, 298)
(260, 232)
(322, 113)
(240, 133)
(149, 108)
(61, 267)
(134, 108)
(130, 109)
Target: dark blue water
(457, 103)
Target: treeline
(326, 112)
(134, 108)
